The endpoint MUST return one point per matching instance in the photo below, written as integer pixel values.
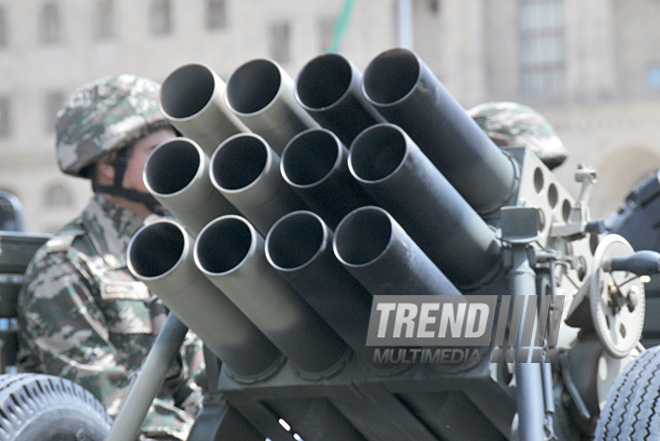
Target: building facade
(592, 67)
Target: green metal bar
(341, 26)
(145, 386)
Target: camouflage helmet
(103, 116)
(512, 124)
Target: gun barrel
(246, 171)
(407, 93)
(261, 94)
(230, 252)
(192, 99)
(315, 164)
(177, 174)
(299, 247)
(160, 255)
(328, 87)
(380, 254)
(390, 166)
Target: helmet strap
(117, 189)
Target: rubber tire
(36, 407)
(632, 409)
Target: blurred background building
(591, 66)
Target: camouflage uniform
(81, 313)
(512, 124)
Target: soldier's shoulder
(72, 236)
(59, 249)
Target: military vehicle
(298, 205)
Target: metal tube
(176, 173)
(160, 255)
(390, 166)
(529, 383)
(328, 87)
(192, 99)
(377, 251)
(145, 386)
(405, 91)
(246, 171)
(315, 164)
(299, 247)
(230, 253)
(261, 94)
(315, 418)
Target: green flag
(341, 26)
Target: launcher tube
(261, 94)
(407, 93)
(192, 99)
(230, 252)
(160, 255)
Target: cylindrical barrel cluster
(297, 201)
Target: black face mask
(117, 189)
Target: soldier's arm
(65, 331)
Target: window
(5, 117)
(49, 23)
(3, 27)
(103, 21)
(653, 77)
(57, 196)
(216, 14)
(542, 47)
(161, 17)
(279, 42)
(54, 102)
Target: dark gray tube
(329, 88)
(315, 164)
(299, 247)
(261, 94)
(230, 252)
(391, 167)
(379, 253)
(192, 99)
(246, 171)
(407, 93)
(160, 255)
(177, 174)
(529, 382)
(315, 418)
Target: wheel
(35, 407)
(632, 409)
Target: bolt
(634, 297)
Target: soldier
(82, 315)
(515, 125)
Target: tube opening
(362, 236)
(171, 167)
(253, 86)
(391, 76)
(156, 249)
(323, 81)
(239, 162)
(310, 157)
(377, 152)
(186, 91)
(223, 245)
(294, 240)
